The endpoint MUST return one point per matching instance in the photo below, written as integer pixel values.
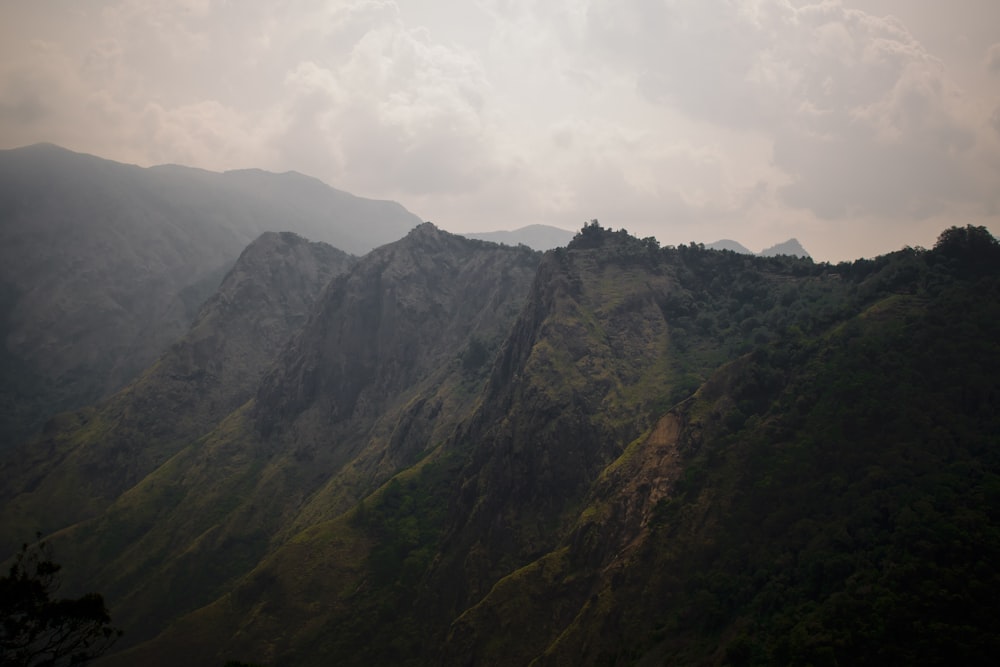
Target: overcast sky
(857, 126)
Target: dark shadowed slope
(102, 265)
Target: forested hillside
(612, 453)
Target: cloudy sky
(857, 126)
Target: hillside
(614, 453)
(103, 265)
(389, 360)
(86, 459)
(828, 498)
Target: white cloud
(993, 58)
(674, 117)
(863, 119)
(397, 110)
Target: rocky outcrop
(386, 338)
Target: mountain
(539, 237)
(103, 265)
(388, 362)
(86, 459)
(727, 244)
(613, 453)
(797, 508)
(790, 247)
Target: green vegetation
(406, 519)
(839, 493)
(858, 515)
(676, 455)
(834, 496)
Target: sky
(855, 126)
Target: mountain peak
(426, 230)
(729, 244)
(790, 247)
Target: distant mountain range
(539, 237)
(545, 237)
(790, 247)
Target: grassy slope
(824, 499)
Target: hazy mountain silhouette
(790, 247)
(103, 264)
(539, 237)
(728, 244)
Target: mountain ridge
(790, 247)
(610, 453)
(284, 465)
(509, 546)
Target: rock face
(406, 310)
(102, 265)
(268, 295)
(391, 361)
(86, 459)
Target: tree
(39, 631)
(973, 249)
(589, 236)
